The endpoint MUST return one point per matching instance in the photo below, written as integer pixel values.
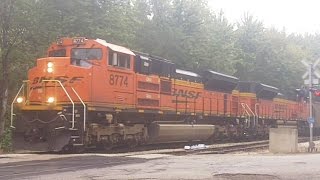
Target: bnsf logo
(186, 93)
(62, 79)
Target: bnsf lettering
(186, 93)
(62, 79)
(74, 79)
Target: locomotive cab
(65, 74)
(73, 67)
(76, 75)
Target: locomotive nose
(53, 65)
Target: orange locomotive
(90, 93)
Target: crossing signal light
(317, 92)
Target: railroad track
(306, 139)
(175, 148)
(141, 148)
(225, 148)
(238, 147)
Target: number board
(118, 80)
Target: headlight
(19, 100)
(50, 64)
(50, 69)
(50, 100)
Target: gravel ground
(241, 165)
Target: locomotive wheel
(78, 149)
(59, 141)
(107, 146)
(66, 149)
(132, 143)
(70, 149)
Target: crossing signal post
(311, 144)
(313, 79)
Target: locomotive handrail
(246, 112)
(246, 108)
(255, 111)
(84, 109)
(15, 98)
(27, 99)
(254, 116)
(67, 96)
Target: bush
(5, 141)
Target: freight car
(90, 93)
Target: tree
(249, 36)
(222, 50)
(6, 45)
(158, 35)
(14, 29)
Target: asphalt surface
(259, 164)
(243, 166)
(25, 169)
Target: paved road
(264, 166)
(243, 166)
(18, 170)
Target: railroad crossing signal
(317, 93)
(315, 75)
(310, 120)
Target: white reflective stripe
(115, 47)
(189, 73)
(144, 58)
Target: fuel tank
(161, 133)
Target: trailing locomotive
(90, 93)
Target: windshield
(82, 56)
(57, 53)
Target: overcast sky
(296, 16)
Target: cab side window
(119, 59)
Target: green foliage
(6, 138)
(5, 141)
(184, 31)
(187, 32)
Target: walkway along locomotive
(90, 93)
